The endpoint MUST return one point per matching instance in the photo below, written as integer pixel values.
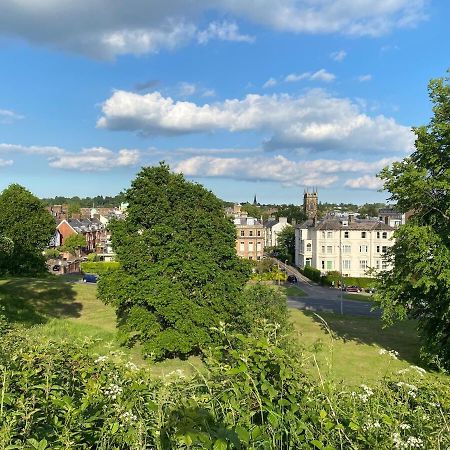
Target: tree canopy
(179, 274)
(419, 284)
(73, 243)
(24, 220)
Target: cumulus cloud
(223, 31)
(7, 116)
(95, 159)
(369, 182)
(89, 159)
(315, 121)
(105, 29)
(31, 150)
(320, 75)
(363, 78)
(319, 172)
(6, 162)
(338, 56)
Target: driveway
(326, 299)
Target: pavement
(326, 299)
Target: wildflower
(131, 366)
(404, 426)
(364, 396)
(113, 391)
(128, 418)
(392, 353)
(101, 359)
(413, 441)
(398, 442)
(419, 370)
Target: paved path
(326, 299)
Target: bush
(99, 268)
(311, 273)
(251, 394)
(362, 282)
(264, 303)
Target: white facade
(272, 229)
(350, 247)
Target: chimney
(351, 218)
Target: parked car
(370, 290)
(353, 289)
(292, 279)
(56, 268)
(90, 278)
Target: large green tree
(179, 273)
(419, 284)
(74, 243)
(24, 220)
(286, 244)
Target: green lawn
(357, 297)
(345, 348)
(294, 291)
(63, 308)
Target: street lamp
(342, 279)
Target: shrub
(251, 394)
(311, 273)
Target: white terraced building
(350, 246)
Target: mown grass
(342, 347)
(64, 308)
(358, 297)
(294, 291)
(346, 348)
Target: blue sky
(244, 96)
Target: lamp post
(342, 280)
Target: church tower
(310, 203)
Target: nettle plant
(252, 393)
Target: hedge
(311, 273)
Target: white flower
(413, 441)
(113, 391)
(392, 353)
(131, 366)
(419, 370)
(101, 359)
(128, 418)
(404, 426)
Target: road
(326, 299)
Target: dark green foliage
(74, 243)
(335, 276)
(419, 285)
(6, 246)
(292, 212)
(263, 303)
(179, 273)
(75, 203)
(30, 227)
(312, 274)
(99, 267)
(252, 395)
(286, 244)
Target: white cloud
(320, 75)
(6, 162)
(7, 116)
(319, 172)
(369, 182)
(31, 150)
(338, 56)
(363, 78)
(270, 83)
(95, 159)
(187, 89)
(104, 29)
(224, 31)
(314, 121)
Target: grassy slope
(63, 308)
